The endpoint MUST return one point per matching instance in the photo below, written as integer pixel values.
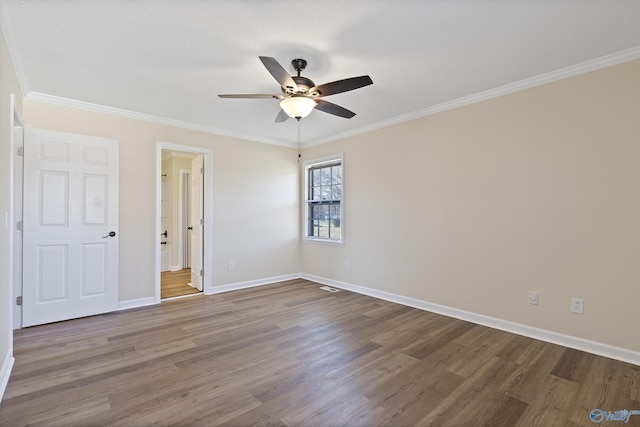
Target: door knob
(189, 228)
(111, 234)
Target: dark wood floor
(175, 284)
(291, 354)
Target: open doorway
(182, 201)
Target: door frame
(16, 244)
(15, 215)
(207, 260)
(183, 217)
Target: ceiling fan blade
(282, 116)
(340, 86)
(251, 96)
(331, 108)
(278, 72)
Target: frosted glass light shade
(297, 107)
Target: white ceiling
(169, 59)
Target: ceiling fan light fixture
(297, 107)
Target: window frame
(307, 166)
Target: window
(323, 191)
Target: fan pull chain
(299, 141)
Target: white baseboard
(250, 284)
(142, 302)
(134, 303)
(7, 365)
(606, 350)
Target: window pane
(336, 233)
(314, 228)
(334, 214)
(336, 172)
(325, 176)
(320, 212)
(336, 192)
(316, 193)
(325, 193)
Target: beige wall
(8, 85)
(474, 207)
(255, 197)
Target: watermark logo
(598, 415)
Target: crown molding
(97, 108)
(553, 76)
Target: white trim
(325, 242)
(550, 77)
(207, 262)
(9, 217)
(183, 296)
(16, 197)
(5, 372)
(97, 108)
(306, 165)
(135, 303)
(179, 231)
(251, 283)
(601, 349)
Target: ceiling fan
(300, 95)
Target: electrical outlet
(533, 297)
(347, 265)
(230, 265)
(577, 305)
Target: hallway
(175, 283)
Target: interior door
(197, 218)
(70, 247)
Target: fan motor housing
(304, 84)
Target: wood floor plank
(176, 283)
(554, 404)
(291, 354)
(572, 366)
(507, 412)
(411, 398)
(470, 400)
(425, 347)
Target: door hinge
(201, 273)
(201, 221)
(18, 300)
(19, 225)
(202, 171)
(20, 151)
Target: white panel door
(70, 247)
(197, 218)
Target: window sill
(323, 241)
